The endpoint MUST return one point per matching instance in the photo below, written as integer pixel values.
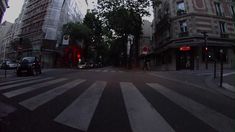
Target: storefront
(184, 58)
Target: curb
(213, 85)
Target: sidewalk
(9, 74)
(203, 79)
(228, 82)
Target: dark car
(29, 65)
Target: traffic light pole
(205, 48)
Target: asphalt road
(114, 100)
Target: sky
(13, 12)
(15, 7)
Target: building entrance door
(184, 60)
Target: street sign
(66, 40)
(145, 50)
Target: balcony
(183, 34)
(224, 35)
(181, 12)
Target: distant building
(5, 38)
(145, 42)
(188, 34)
(42, 23)
(3, 6)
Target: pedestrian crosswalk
(142, 115)
(103, 70)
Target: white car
(8, 64)
(82, 65)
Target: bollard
(221, 67)
(215, 69)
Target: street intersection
(115, 100)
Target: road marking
(214, 119)
(97, 70)
(142, 116)
(43, 98)
(17, 80)
(79, 114)
(228, 74)
(228, 87)
(24, 83)
(31, 88)
(105, 71)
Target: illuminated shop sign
(185, 48)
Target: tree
(93, 22)
(124, 17)
(77, 31)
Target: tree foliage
(77, 31)
(123, 16)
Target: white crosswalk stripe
(16, 81)
(79, 113)
(216, 120)
(31, 88)
(104, 70)
(41, 99)
(142, 116)
(24, 83)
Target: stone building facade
(42, 24)
(5, 37)
(189, 34)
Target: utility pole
(205, 49)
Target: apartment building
(5, 37)
(193, 34)
(42, 23)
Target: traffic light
(79, 56)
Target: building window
(222, 27)
(183, 26)
(183, 29)
(223, 33)
(234, 27)
(218, 9)
(181, 8)
(233, 10)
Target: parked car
(83, 65)
(29, 65)
(8, 64)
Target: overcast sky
(15, 7)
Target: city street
(114, 100)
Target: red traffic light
(79, 56)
